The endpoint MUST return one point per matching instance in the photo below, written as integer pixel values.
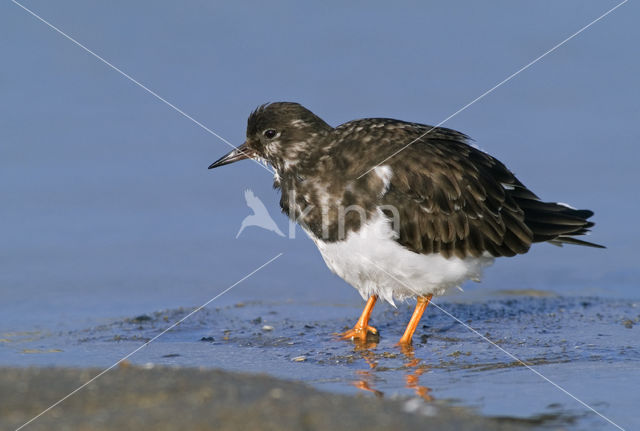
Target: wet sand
(451, 379)
(167, 398)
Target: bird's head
(283, 134)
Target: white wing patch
(507, 186)
(385, 173)
(566, 206)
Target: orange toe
(359, 333)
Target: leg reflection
(366, 378)
(415, 369)
(365, 382)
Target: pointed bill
(240, 153)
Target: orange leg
(361, 328)
(423, 301)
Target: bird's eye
(269, 133)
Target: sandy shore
(135, 398)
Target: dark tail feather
(570, 240)
(556, 223)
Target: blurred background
(107, 208)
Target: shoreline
(166, 398)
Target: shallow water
(586, 345)
(108, 212)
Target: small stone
(628, 323)
(209, 339)
(267, 328)
(412, 405)
(276, 393)
(171, 355)
(299, 359)
(257, 320)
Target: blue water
(108, 211)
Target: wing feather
(452, 198)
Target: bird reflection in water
(366, 378)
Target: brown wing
(456, 200)
(450, 197)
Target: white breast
(375, 264)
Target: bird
(260, 217)
(399, 209)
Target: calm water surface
(108, 212)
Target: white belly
(375, 264)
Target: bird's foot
(406, 348)
(406, 345)
(360, 333)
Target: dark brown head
(282, 134)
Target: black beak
(240, 153)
